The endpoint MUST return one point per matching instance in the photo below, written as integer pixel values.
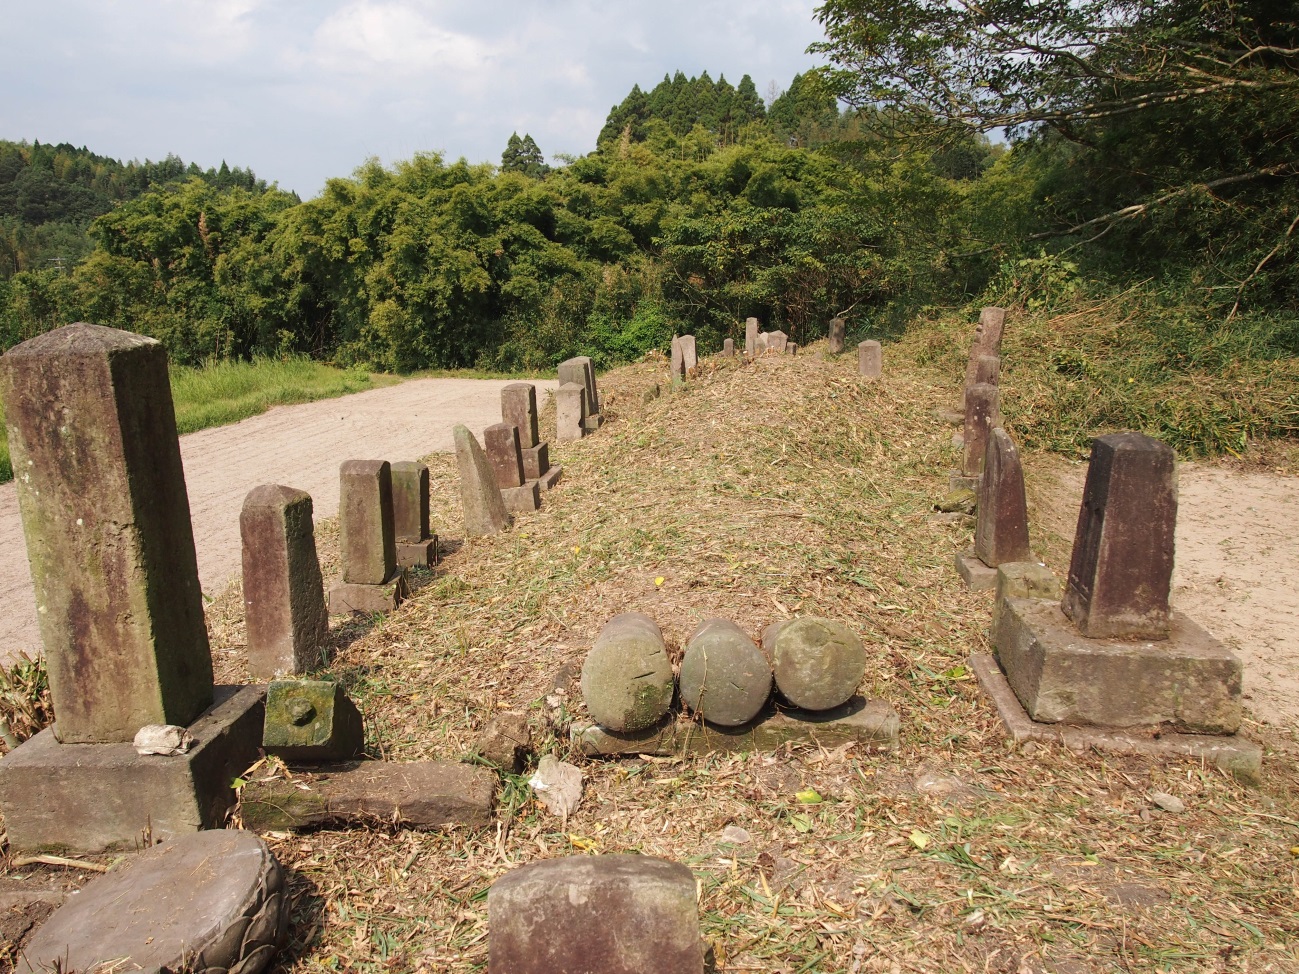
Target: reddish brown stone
(836, 336)
(750, 336)
(284, 596)
(678, 359)
(365, 526)
(987, 370)
(410, 502)
(982, 413)
(1001, 525)
(570, 412)
(1122, 564)
(992, 322)
(480, 497)
(618, 914)
(501, 442)
(92, 435)
(536, 461)
(522, 499)
(519, 409)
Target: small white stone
(733, 833)
(164, 739)
(1169, 803)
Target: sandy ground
(1237, 565)
(300, 446)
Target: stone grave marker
(372, 581)
(728, 348)
(987, 370)
(212, 901)
(778, 342)
(101, 490)
(982, 413)
(992, 324)
(417, 545)
(570, 412)
(519, 409)
(485, 512)
(751, 337)
(678, 360)
(627, 681)
(1112, 654)
(1001, 519)
(284, 595)
(611, 914)
(1121, 571)
(501, 441)
(870, 359)
(689, 354)
(836, 336)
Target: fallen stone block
(417, 794)
(90, 798)
(536, 461)
(551, 477)
(210, 901)
(311, 720)
(870, 723)
(977, 576)
(616, 914)
(1188, 682)
(725, 678)
(1233, 753)
(627, 681)
(417, 554)
(818, 663)
(505, 742)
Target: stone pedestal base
(91, 798)
(957, 481)
(1189, 682)
(1231, 752)
(593, 422)
(978, 576)
(551, 477)
(870, 722)
(522, 500)
(345, 597)
(418, 554)
(536, 461)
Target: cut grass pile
(761, 491)
(226, 392)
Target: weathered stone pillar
(570, 412)
(1001, 524)
(284, 595)
(615, 914)
(573, 371)
(992, 323)
(519, 409)
(678, 360)
(92, 435)
(982, 413)
(689, 354)
(517, 492)
(484, 508)
(870, 359)
(750, 337)
(1122, 565)
(987, 370)
(835, 340)
(416, 542)
(367, 542)
(728, 347)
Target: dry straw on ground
(760, 491)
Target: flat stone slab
(978, 577)
(1233, 753)
(197, 902)
(551, 477)
(869, 722)
(418, 794)
(954, 416)
(1189, 683)
(522, 500)
(347, 597)
(619, 914)
(417, 554)
(91, 798)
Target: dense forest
(1144, 148)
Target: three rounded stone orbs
(627, 680)
(627, 677)
(724, 676)
(817, 663)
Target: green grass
(226, 392)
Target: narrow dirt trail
(300, 446)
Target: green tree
(523, 156)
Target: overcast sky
(301, 90)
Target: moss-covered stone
(311, 720)
(627, 678)
(818, 663)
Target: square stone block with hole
(347, 597)
(311, 720)
(1189, 682)
(90, 798)
(417, 554)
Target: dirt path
(1237, 567)
(300, 446)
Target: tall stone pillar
(92, 435)
(835, 341)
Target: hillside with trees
(1144, 157)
